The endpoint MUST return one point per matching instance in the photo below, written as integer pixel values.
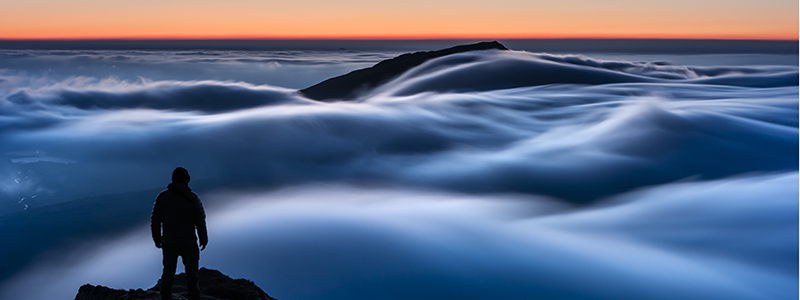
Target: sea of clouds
(491, 174)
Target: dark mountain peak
(423, 56)
(350, 85)
(213, 286)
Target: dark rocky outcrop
(213, 286)
(350, 85)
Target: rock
(213, 286)
(351, 85)
(98, 292)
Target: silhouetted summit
(348, 86)
(213, 286)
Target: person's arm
(155, 223)
(200, 224)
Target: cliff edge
(213, 286)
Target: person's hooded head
(180, 175)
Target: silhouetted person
(177, 213)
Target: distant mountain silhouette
(350, 85)
(213, 286)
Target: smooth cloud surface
(591, 149)
(688, 241)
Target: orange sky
(75, 19)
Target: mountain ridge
(350, 85)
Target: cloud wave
(688, 240)
(606, 138)
(609, 179)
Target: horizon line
(632, 45)
(389, 38)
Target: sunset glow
(705, 19)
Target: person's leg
(191, 261)
(168, 276)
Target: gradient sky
(737, 19)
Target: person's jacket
(177, 214)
